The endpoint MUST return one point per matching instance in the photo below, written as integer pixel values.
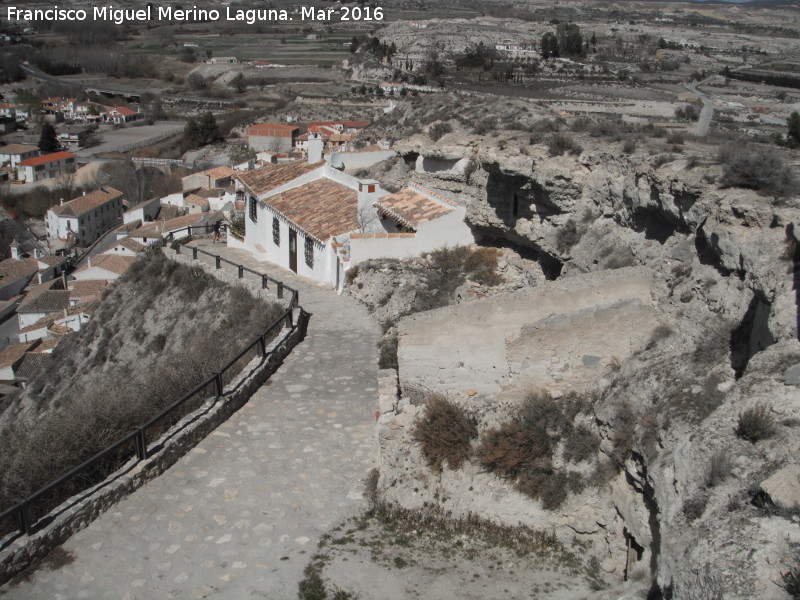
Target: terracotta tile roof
(18, 149)
(157, 228)
(322, 208)
(12, 269)
(269, 177)
(42, 323)
(32, 363)
(47, 158)
(42, 299)
(46, 345)
(83, 204)
(411, 208)
(86, 289)
(217, 172)
(196, 200)
(110, 262)
(316, 125)
(272, 130)
(11, 354)
(132, 244)
(129, 226)
(52, 261)
(123, 110)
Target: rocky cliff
(697, 509)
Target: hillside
(163, 328)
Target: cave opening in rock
(635, 553)
(653, 226)
(410, 158)
(752, 335)
(708, 254)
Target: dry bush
(581, 444)
(480, 265)
(445, 433)
(568, 235)
(755, 424)
(719, 469)
(513, 449)
(759, 168)
(560, 143)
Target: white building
(13, 154)
(46, 166)
(318, 221)
(85, 218)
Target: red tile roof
(411, 208)
(322, 208)
(124, 111)
(269, 177)
(47, 158)
(272, 130)
(83, 204)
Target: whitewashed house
(85, 218)
(318, 221)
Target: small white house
(104, 267)
(318, 221)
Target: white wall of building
(449, 230)
(144, 211)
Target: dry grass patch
(445, 433)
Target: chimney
(36, 253)
(61, 202)
(315, 146)
(367, 192)
(14, 249)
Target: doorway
(293, 250)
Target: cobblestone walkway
(240, 515)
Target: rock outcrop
(695, 506)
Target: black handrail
(171, 237)
(22, 509)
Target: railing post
(208, 227)
(262, 345)
(280, 290)
(194, 253)
(264, 282)
(218, 384)
(241, 272)
(141, 444)
(177, 248)
(24, 517)
(289, 319)
(218, 262)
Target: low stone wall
(18, 551)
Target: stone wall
(18, 551)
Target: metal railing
(266, 280)
(137, 441)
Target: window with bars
(253, 210)
(309, 252)
(276, 231)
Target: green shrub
(693, 508)
(445, 433)
(755, 424)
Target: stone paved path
(240, 515)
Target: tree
(239, 84)
(202, 132)
(48, 141)
(549, 45)
(793, 134)
(570, 41)
(241, 153)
